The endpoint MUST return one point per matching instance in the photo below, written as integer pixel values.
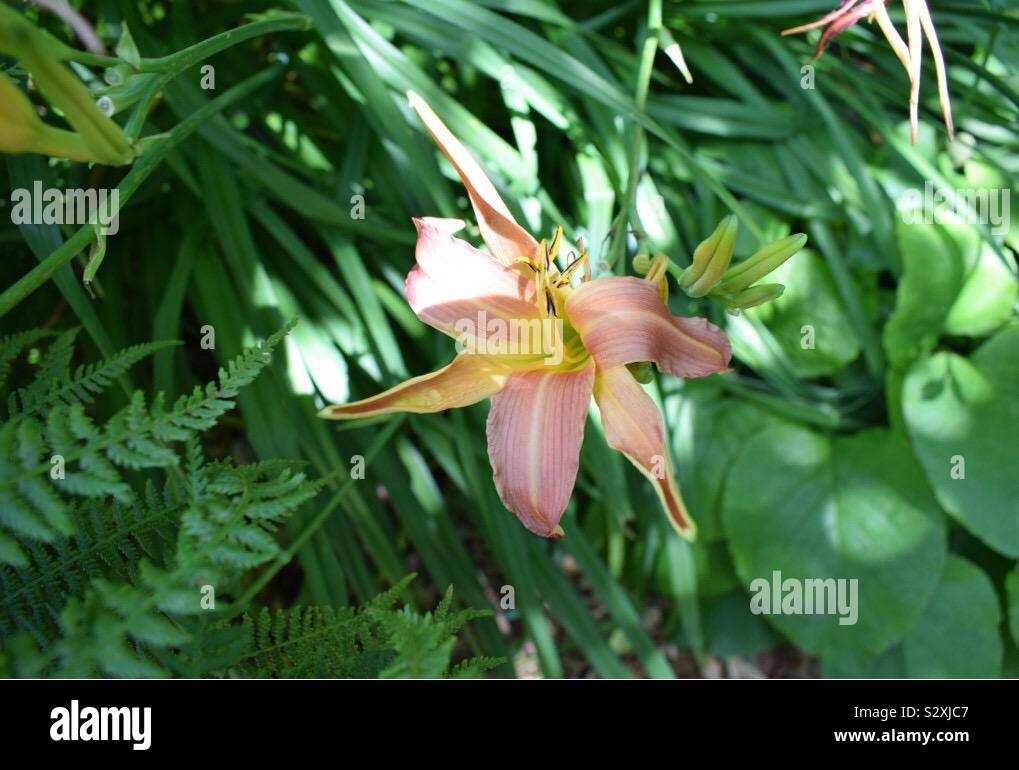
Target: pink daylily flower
(539, 404)
(918, 19)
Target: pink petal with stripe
(507, 240)
(535, 429)
(458, 289)
(634, 426)
(622, 320)
(467, 380)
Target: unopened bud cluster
(95, 137)
(711, 273)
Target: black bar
(773, 717)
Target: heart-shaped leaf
(853, 508)
(956, 637)
(963, 418)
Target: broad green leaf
(732, 629)
(711, 433)
(850, 507)
(956, 637)
(987, 298)
(935, 260)
(1012, 602)
(958, 634)
(963, 419)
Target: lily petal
(841, 24)
(634, 426)
(622, 320)
(892, 35)
(915, 43)
(939, 66)
(507, 240)
(469, 378)
(535, 429)
(456, 288)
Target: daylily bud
(642, 372)
(657, 273)
(15, 30)
(756, 295)
(21, 129)
(19, 122)
(642, 263)
(62, 88)
(763, 262)
(710, 259)
(43, 56)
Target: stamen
(548, 282)
(557, 240)
(571, 268)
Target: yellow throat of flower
(552, 288)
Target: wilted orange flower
(918, 19)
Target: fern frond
(303, 641)
(107, 542)
(424, 643)
(251, 503)
(83, 459)
(118, 628)
(116, 585)
(29, 509)
(101, 630)
(472, 668)
(85, 383)
(214, 648)
(55, 363)
(372, 641)
(12, 345)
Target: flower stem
(628, 212)
(188, 57)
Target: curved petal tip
(622, 320)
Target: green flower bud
(641, 263)
(710, 259)
(762, 263)
(42, 55)
(657, 273)
(756, 295)
(21, 129)
(19, 122)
